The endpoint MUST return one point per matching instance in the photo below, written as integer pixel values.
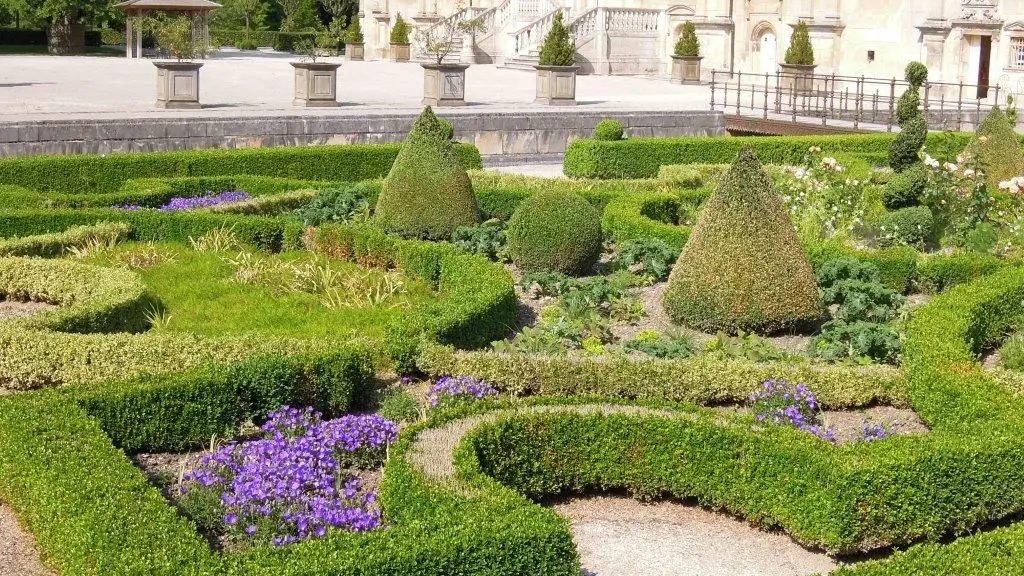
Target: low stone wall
(530, 134)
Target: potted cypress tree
(686, 57)
(798, 70)
(354, 40)
(316, 83)
(177, 81)
(556, 69)
(400, 40)
(444, 84)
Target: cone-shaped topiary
(997, 150)
(427, 194)
(800, 51)
(400, 31)
(558, 48)
(743, 267)
(354, 34)
(688, 44)
(555, 231)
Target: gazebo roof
(168, 5)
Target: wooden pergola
(197, 10)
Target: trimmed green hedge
(643, 157)
(940, 272)
(93, 174)
(57, 243)
(632, 216)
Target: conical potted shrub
(399, 44)
(177, 81)
(556, 68)
(316, 83)
(444, 83)
(354, 40)
(798, 69)
(686, 57)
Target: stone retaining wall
(495, 133)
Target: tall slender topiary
(354, 34)
(743, 267)
(400, 31)
(427, 194)
(558, 48)
(688, 44)
(903, 152)
(997, 149)
(800, 51)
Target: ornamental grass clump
(427, 193)
(743, 268)
(291, 485)
(558, 48)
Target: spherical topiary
(916, 73)
(996, 149)
(608, 129)
(555, 231)
(905, 147)
(906, 227)
(743, 267)
(904, 189)
(427, 194)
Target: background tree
(299, 15)
(64, 20)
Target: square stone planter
(316, 84)
(354, 51)
(797, 78)
(177, 85)
(400, 52)
(556, 85)
(444, 84)
(686, 69)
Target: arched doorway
(764, 49)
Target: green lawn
(201, 295)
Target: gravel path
(16, 309)
(18, 555)
(622, 537)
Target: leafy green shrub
(800, 51)
(335, 205)
(896, 265)
(846, 268)
(427, 194)
(608, 130)
(743, 346)
(354, 33)
(940, 272)
(905, 188)
(487, 239)
(400, 31)
(916, 73)
(399, 406)
(904, 149)
(997, 149)
(906, 227)
(681, 175)
(840, 340)
(860, 300)
(558, 48)
(688, 44)
(743, 268)
(649, 256)
(555, 231)
(982, 238)
(246, 44)
(657, 346)
(447, 128)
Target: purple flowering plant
(450, 389)
(178, 204)
(779, 402)
(292, 484)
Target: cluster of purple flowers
(460, 387)
(291, 485)
(178, 204)
(873, 431)
(780, 402)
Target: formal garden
(380, 359)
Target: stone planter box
(177, 85)
(400, 52)
(686, 69)
(556, 85)
(354, 51)
(316, 84)
(797, 78)
(444, 84)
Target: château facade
(969, 41)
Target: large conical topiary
(743, 267)
(997, 149)
(427, 194)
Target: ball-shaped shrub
(905, 147)
(916, 73)
(427, 194)
(608, 129)
(743, 267)
(997, 150)
(555, 231)
(906, 227)
(905, 189)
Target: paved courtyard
(48, 87)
